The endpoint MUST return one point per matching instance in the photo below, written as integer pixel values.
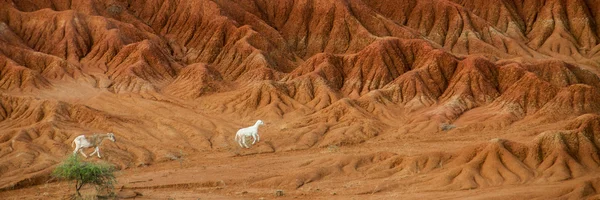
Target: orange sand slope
(361, 98)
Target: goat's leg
(254, 137)
(81, 151)
(244, 142)
(77, 147)
(98, 152)
(257, 137)
(239, 140)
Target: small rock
(279, 193)
(127, 194)
(142, 165)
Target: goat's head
(111, 137)
(259, 122)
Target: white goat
(95, 140)
(252, 131)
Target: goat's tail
(72, 143)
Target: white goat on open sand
(252, 131)
(95, 140)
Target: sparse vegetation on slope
(417, 91)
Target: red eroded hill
(374, 99)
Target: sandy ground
(225, 175)
(361, 99)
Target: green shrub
(99, 175)
(447, 127)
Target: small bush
(99, 175)
(333, 148)
(447, 127)
(179, 157)
(279, 193)
(114, 9)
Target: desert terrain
(361, 99)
